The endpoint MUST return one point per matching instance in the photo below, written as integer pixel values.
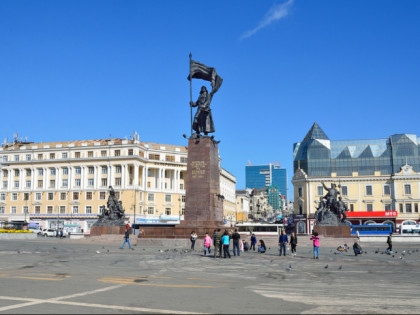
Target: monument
(331, 214)
(203, 201)
(111, 219)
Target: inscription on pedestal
(198, 169)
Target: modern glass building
(260, 176)
(317, 155)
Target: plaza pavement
(66, 276)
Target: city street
(66, 276)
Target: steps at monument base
(108, 238)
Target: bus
(410, 229)
(371, 229)
(259, 228)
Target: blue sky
(73, 70)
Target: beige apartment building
(66, 183)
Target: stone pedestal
(338, 231)
(203, 208)
(99, 230)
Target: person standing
(207, 244)
(218, 244)
(193, 238)
(282, 242)
(225, 242)
(236, 237)
(253, 241)
(293, 243)
(126, 239)
(315, 240)
(389, 242)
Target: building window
(104, 170)
(13, 210)
(416, 208)
(344, 190)
(130, 152)
(5, 173)
(65, 171)
(64, 155)
(408, 208)
(103, 153)
(91, 170)
(401, 208)
(150, 210)
(387, 190)
(181, 186)
(368, 190)
(148, 184)
(89, 195)
(320, 190)
(49, 209)
(149, 172)
(351, 207)
(183, 198)
(88, 209)
(78, 170)
(184, 160)
(118, 181)
(75, 209)
(77, 182)
(28, 184)
(40, 171)
(50, 196)
(168, 211)
(117, 153)
(407, 189)
(369, 207)
(168, 198)
(118, 169)
(170, 158)
(40, 156)
(40, 183)
(52, 156)
(104, 182)
(155, 157)
(16, 184)
(14, 196)
(63, 196)
(62, 209)
(38, 196)
(151, 197)
(25, 209)
(102, 195)
(75, 196)
(5, 184)
(299, 191)
(16, 157)
(37, 209)
(77, 155)
(28, 172)
(28, 157)
(64, 183)
(3, 197)
(52, 183)
(90, 182)
(387, 207)
(1, 210)
(16, 173)
(300, 209)
(90, 154)
(5, 158)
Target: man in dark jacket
(282, 242)
(389, 242)
(218, 243)
(236, 237)
(127, 239)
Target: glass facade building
(260, 176)
(317, 155)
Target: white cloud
(276, 12)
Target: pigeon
(326, 266)
(401, 257)
(54, 247)
(166, 250)
(365, 252)
(108, 251)
(18, 251)
(160, 251)
(290, 267)
(98, 252)
(393, 256)
(103, 247)
(376, 251)
(341, 267)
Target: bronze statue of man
(203, 120)
(331, 196)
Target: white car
(36, 231)
(49, 232)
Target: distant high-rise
(260, 176)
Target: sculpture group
(113, 214)
(331, 210)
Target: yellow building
(228, 191)
(68, 182)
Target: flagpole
(190, 94)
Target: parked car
(35, 230)
(48, 232)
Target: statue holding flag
(203, 120)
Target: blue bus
(371, 229)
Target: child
(315, 240)
(293, 243)
(207, 244)
(261, 247)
